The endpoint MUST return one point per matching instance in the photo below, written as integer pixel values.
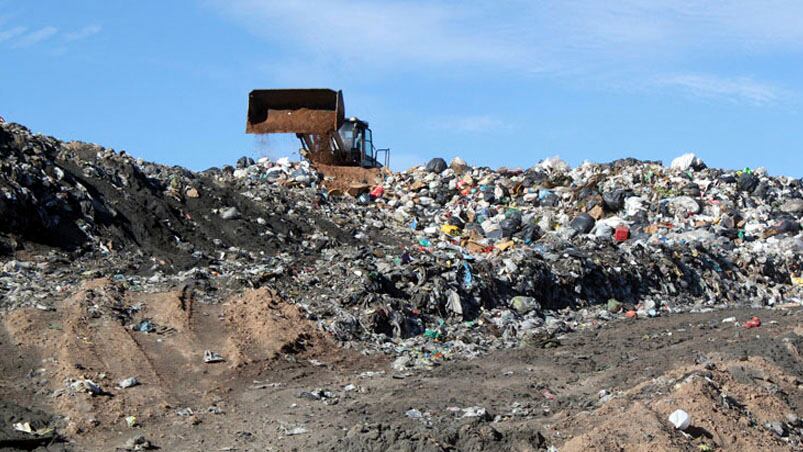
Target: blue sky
(500, 83)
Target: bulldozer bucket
(301, 111)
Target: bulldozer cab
(356, 136)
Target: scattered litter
(680, 419)
(371, 374)
(87, 386)
(754, 322)
(294, 430)
(144, 326)
(128, 383)
(475, 411)
(26, 428)
(212, 357)
(138, 442)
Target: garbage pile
(500, 257)
(438, 261)
(282, 171)
(83, 198)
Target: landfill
(440, 264)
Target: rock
(229, 213)
(138, 442)
(192, 192)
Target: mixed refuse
(468, 258)
(438, 262)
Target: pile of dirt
(301, 120)
(284, 385)
(734, 405)
(263, 326)
(344, 178)
(106, 334)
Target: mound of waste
(83, 197)
(435, 261)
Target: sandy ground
(285, 386)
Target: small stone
(229, 213)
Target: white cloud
(740, 89)
(588, 42)
(519, 34)
(83, 33)
(35, 37)
(365, 34)
(11, 33)
(667, 25)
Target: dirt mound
(344, 177)
(105, 334)
(302, 120)
(734, 405)
(742, 393)
(263, 326)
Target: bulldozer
(317, 118)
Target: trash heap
(438, 261)
(282, 171)
(502, 256)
